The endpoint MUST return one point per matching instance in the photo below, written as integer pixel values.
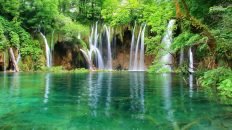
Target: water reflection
(115, 100)
(167, 94)
(190, 85)
(14, 84)
(108, 97)
(47, 88)
(137, 91)
(95, 88)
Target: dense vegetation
(204, 25)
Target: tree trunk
(186, 8)
(13, 60)
(201, 27)
(178, 12)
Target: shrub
(220, 79)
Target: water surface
(102, 101)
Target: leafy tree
(40, 14)
(10, 9)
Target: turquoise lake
(108, 101)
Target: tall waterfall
(167, 40)
(132, 49)
(109, 55)
(48, 52)
(95, 52)
(137, 51)
(191, 60)
(18, 58)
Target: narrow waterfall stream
(109, 54)
(137, 51)
(48, 52)
(191, 67)
(18, 58)
(132, 49)
(167, 40)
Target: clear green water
(107, 101)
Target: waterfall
(79, 36)
(18, 58)
(88, 59)
(109, 55)
(167, 40)
(137, 52)
(48, 53)
(96, 48)
(132, 49)
(191, 67)
(141, 61)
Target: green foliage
(186, 39)
(153, 44)
(10, 9)
(158, 67)
(60, 69)
(39, 15)
(70, 29)
(3, 41)
(225, 87)
(222, 31)
(12, 35)
(200, 8)
(53, 69)
(116, 14)
(156, 15)
(220, 79)
(202, 51)
(14, 39)
(80, 70)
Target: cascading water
(191, 60)
(132, 49)
(96, 49)
(167, 40)
(109, 55)
(137, 52)
(48, 53)
(141, 61)
(18, 58)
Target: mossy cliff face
(69, 56)
(121, 58)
